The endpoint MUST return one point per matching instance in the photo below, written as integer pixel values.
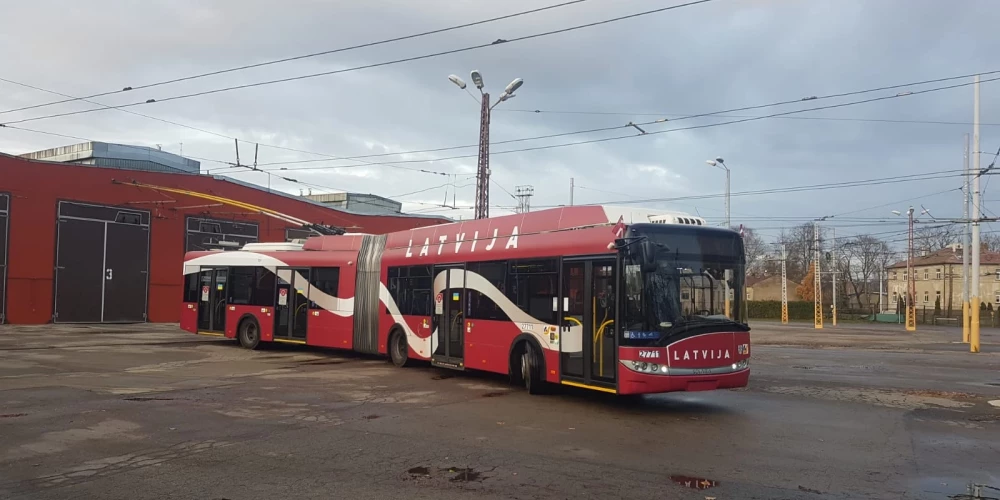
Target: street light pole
(483, 170)
(720, 163)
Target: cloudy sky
(704, 58)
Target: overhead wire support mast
(976, 214)
(966, 320)
(784, 285)
(817, 281)
(483, 170)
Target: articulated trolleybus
(602, 298)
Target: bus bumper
(632, 382)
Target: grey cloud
(705, 58)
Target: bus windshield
(696, 269)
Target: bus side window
(191, 287)
(326, 280)
(478, 304)
(532, 286)
(263, 292)
(241, 285)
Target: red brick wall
(36, 187)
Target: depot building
(96, 232)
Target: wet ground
(152, 412)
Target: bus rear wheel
(399, 351)
(531, 369)
(249, 333)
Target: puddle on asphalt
(147, 398)
(464, 475)
(696, 483)
(458, 474)
(420, 471)
(12, 415)
(495, 394)
(443, 376)
(370, 417)
(985, 418)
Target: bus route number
(649, 354)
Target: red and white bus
(604, 298)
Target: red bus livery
(603, 298)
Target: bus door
(291, 305)
(212, 300)
(449, 317)
(588, 351)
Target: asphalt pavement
(149, 411)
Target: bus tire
(532, 371)
(249, 333)
(399, 350)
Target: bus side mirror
(647, 256)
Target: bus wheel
(249, 333)
(531, 372)
(399, 351)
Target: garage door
(102, 264)
(4, 210)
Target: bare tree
(990, 242)
(935, 237)
(756, 253)
(798, 243)
(863, 257)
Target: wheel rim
(250, 333)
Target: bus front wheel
(249, 333)
(531, 369)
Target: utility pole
(571, 191)
(833, 265)
(817, 281)
(911, 284)
(965, 244)
(881, 309)
(784, 286)
(974, 299)
(524, 194)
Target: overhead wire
(375, 65)
(327, 157)
(810, 187)
(618, 137)
(680, 116)
(299, 57)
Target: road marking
(995, 402)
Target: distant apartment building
(938, 275)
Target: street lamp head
(457, 81)
(477, 79)
(712, 162)
(897, 212)
(513, 86)
(720, 160)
